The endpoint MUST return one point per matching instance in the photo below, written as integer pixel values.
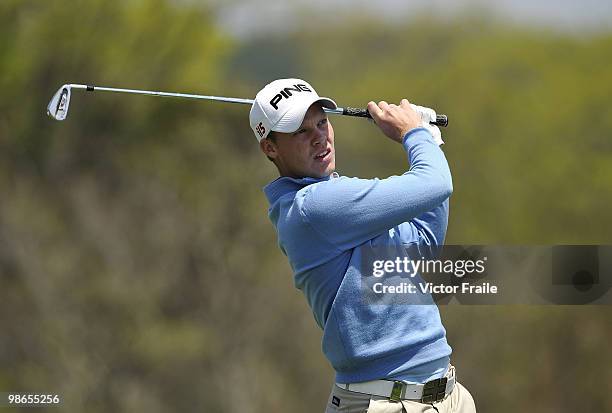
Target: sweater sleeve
(428, 231)
(351, 211)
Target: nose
(319, 137)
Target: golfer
(387, 358)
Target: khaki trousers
(459, 401)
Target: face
(307, 152)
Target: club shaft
(441, 120)
(163, 94)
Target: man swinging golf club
(387, 358)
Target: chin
(332, 167)
(322, 173)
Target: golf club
(58, 106)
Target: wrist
(402, 134)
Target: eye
(299, 131)
(323, 122)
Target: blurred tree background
(138, 269)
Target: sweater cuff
(416, 135)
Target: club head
(58, 106)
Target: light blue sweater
(324, 225)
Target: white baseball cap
(281, 106)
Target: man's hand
(395, 121)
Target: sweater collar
(285, 184)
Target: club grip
(441, 120)
(362, 113)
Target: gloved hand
(429, 115)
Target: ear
(268, 148)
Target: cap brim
(293, 118)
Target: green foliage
(138, 270)
(529, 135)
